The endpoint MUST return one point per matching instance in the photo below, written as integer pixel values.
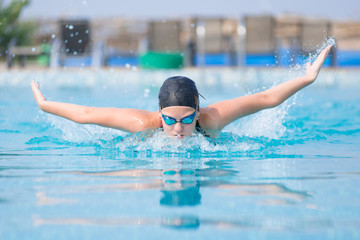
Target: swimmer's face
(179, 129)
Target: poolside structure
(22, 52)
(296, 37)
(260, 40)
(256, 41)
(164, 35)
(312, 35)
(164, 49)
(215, 41)
(348, 43)
(287, 38)
(313, 32)
(76, 43)
(121, 40)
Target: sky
(92, 9)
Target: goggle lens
(186, 120)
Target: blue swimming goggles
(186, 120)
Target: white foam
(148, 142)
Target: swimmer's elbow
(270, 100)
(85, 115)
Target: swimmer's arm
(218, 115)
(130, 120)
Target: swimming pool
(287, 173)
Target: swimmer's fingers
(322, 56)
(34, 85)
(312, 70)
(38, 96)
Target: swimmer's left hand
(312, 70)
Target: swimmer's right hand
(312, 70)
(39, 98)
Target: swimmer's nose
(178, 127)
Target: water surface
(287, 173)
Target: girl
(179, 113)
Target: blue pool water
(287, 173)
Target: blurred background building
(251, 40)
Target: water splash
(145, 143)
(267, 123)
(79, 133)
(330, 41)
(311, 57)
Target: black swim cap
(178, 91)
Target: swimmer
(179, 113)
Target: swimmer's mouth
(179, 136)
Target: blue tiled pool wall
(281, 58)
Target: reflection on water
(181, 187)
(61, 180)
(178, 187)
(193, 222)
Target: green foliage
(11, 27)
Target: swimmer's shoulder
(153, 120)
(208, 121)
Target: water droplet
(80, 41)
(71, 27)
(53, 36)
(146, 92)
(33, 49)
